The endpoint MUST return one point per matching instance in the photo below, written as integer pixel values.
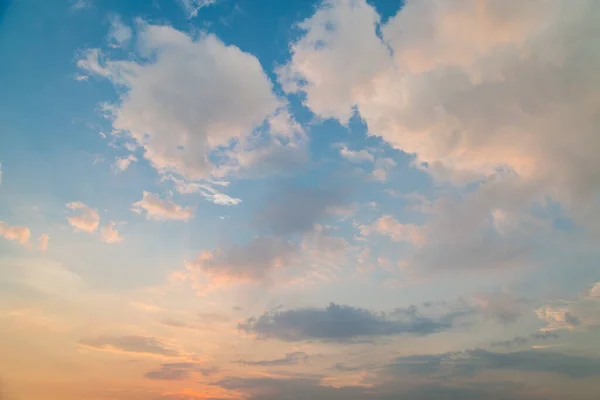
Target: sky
(338, 199)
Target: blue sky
(250, 198)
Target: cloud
(356, 156)
(43, 242)
(474, 361)
(191, 7)
(181, 102)
(86, 220)
(19, 234)
(339, 323)
(161, 209)
(130, 344)
(77, 5)
(289, 359)
(119, 34)
(397, 231)
(292, 210)
(122, 163)
(248, 262)
(109, 234)
(458, 101)
(582, 313)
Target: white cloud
(86, 219)
(19, 234)
(356, 156)
(205, 190)
(191, 7)
(397, 231)
(161, 209)
(187, 99)
(122, 163)
(43, 242)
(77, 5)
(468, 87)
(119, 34)
(110, 234)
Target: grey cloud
(289, 359)
(477, 360)
(339, 323)
(251, 260)
(296, 209)
(131, 343)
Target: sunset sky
(294, 199)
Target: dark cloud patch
(311, 388)
(177, 371)
(131, 344)
(339, 323)
(289, 359)
(292, 210)
(472, 361)
(174, 323)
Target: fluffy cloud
(119, 34)
(209, 192)
(86, 219)
(161, 209)
(502, 306)
(191, 101)
(339, 323)
(249, 262)
(466, 87)
(130, 344)
(20, 234)
(399, 232)
(122, 163)
(110, 234)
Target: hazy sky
(266, 200)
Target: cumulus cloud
(503, 306)
(462, 83)
(110, 234)
(196, 106)
(86, 218)
(130, 344)
(19, 234)
(478, 93)
(161, 209)
(248, 262)
(340, 323)
(122, 163)
(119, 34)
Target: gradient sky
(265, 200)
